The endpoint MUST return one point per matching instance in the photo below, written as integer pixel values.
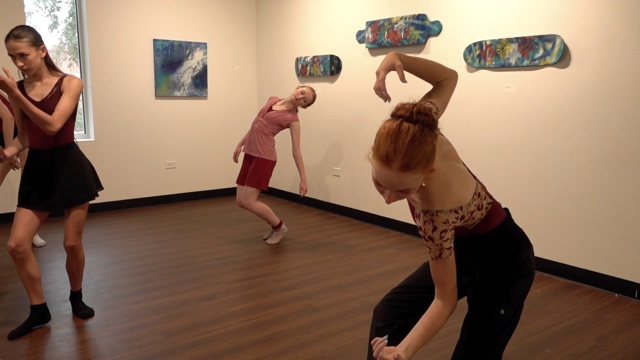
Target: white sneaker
(38, 241)
(277, 235)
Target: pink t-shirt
(268, 123)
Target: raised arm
(442, 79)
(50, 124)
(297, 157)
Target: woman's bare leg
(25, 225)
(74, 220)
(247, 198)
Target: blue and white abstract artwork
(180, 68)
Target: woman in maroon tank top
(56, 176)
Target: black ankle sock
(78, 307)
(38, 316)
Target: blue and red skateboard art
(536, 50)
(398, 31)
(318, 65)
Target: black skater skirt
(57, 178)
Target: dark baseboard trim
(572, 273)
(148, 201)
(586, 277)
(161, 200)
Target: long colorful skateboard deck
(398, 31)
(318, 65)
(536, 50)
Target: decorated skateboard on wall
(398, 31)
(536, 50)
(318, 65)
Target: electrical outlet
(335, 171)
(171, 164)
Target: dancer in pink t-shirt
(259, 147)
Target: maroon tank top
(38, 139)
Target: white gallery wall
(560, 151)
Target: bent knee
(17, 248)
(243, 203)
(73, 245)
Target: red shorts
(255, 172)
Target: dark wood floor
(194, 281)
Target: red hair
(406, 142)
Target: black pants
(495, 272)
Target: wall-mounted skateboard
(536, 50)
(398, 31)
(318, 65)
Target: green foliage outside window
(57, 22)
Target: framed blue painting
(180, 68)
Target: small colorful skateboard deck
(536, 50)
(318, 65)
(398, 31)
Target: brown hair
(406, 142)
(31, 35)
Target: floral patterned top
(438, 227)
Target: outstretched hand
(390, 63)
(7, 81)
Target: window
(61, 24)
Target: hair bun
(418, 113)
